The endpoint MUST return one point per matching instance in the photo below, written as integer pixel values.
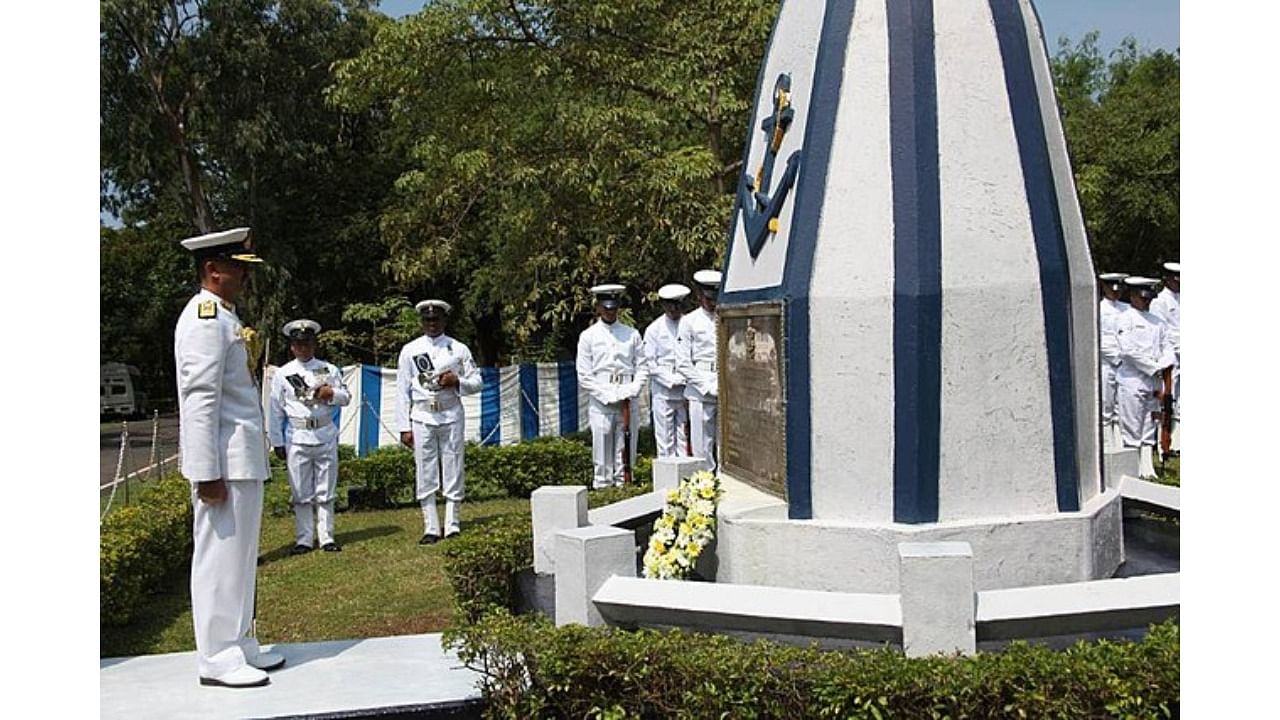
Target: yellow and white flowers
(687, 525)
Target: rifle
(1166, 417)
(626, 441)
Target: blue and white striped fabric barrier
(518, 402)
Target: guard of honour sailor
(1110, 308)
(1144, 375)
(611, 368)
(301, 429)
(433, 373)
(1168, 307)
(666, 388)
(696, 363)
(224, 456)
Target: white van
(121, 390)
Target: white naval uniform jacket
(611, 364)
(220, 413)
(1146, 348)
(1168, 307)
(418, 398)
(660, 355)
(1109, 312)
(304, 411)
(696, 355)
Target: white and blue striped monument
(908, 315)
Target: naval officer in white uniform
(304, 393)
(433, 373)
(611, 367)
(224, 456)
(1109, 310)
(1146, 353)
(666, 388)
(696, 363)
(1168, 307)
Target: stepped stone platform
(409, 676)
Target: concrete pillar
(585, 558)
(555, 508)
(668, 471)
(938, 598)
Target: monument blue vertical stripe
(568, 387)
(819, 134)
(1051, 251)
(370, 408)
(529, 425)
(490, 407)
(917, 261)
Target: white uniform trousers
(1136, 402)
(438, 450)
(223, 569)
(670, 423)
(703, 426)
(607, 441)
(313, 479)
(1110, 417)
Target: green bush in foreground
(533, 669)
(140, 545)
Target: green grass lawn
(382, 583)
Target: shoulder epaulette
(207, 309)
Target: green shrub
(533, 669)
(482, 566)
(520, 469)
(140, 545)
(385, 478)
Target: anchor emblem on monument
(760, 210)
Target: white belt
(705, 365)
(437, 404)
(615, 378)
(310, 423)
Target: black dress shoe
(453, 534)
(429, 539)
(331, 547)
(300, 550)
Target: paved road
(138, 455)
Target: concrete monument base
(758, 545)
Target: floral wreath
(687, 525)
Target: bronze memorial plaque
(753, 419)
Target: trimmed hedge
(140, 545)
(533, 669)
(483, 566)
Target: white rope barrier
(124, 443)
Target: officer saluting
(670, 409)
(696, 362)
(433, 372)
(611, 368)
(224, 456)
(304, 392)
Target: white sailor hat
(1112, 277)
(707, 278)
(433, 308)
(609, 295)
(1173, 268)
(301, 329)
(673, 292)
(235, 244)
(1142, 285)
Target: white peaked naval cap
(300, 328)
(1112, 277)
(608, 295)
(433, 308)
(1173, 267)
(707, 278)
(673, 291)
(235, 244)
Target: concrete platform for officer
(404, 676)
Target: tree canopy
(503, 156)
